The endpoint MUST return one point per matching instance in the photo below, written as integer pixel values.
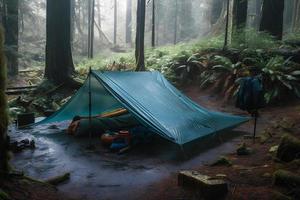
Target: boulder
(222, 161)
(243, 150)
(286, 179)
(289, 148)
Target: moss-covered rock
(289, 148)
(222, 161)
(286, 179)
(243, 150)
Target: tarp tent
(154, 102)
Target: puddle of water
(99, 174)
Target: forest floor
(249, 177)
(21, 188)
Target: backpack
(250, 96)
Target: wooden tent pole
(90, 107)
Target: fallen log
(22, 87)
(19, 91)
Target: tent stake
(255, 123)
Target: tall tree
(115, 21)
(186, 22)
(128, 22)
(175, 22)
(91, 21)
(258, 5)
(272, 18)
(153, 24)
(239, 20)
(3, 110)
(227, 25)
(59, 62)
(140, 36)
(11, 26)
(216, 10)
(99, 19)
(296, 16)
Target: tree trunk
(3, 111)
(140, 32)
(239, 20)
(115, 22)
(218, 27)
(176, 23)
(296, 16)
(11, 26)
(227, 25)
(91, 22)
(153, 24)
(73, 20)
(129, 22)
(216, 11)
(59, 62)
(272, 18)
(99, 20)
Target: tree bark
(227, 25)
(153, 24)
(272, 18)
(239, 20)
(176, 22)
(59, 62)
(3, 111)
(115, 22)
(129, 22)
(296, 16)
(216, 11)
(91, 22)
(99, 20)
(140, 33)
(11, 26)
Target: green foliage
(293, 36)
(254, 40)
(4, 195)
(281, 78)
(218, 70)
(121, 61)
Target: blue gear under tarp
(153, 101)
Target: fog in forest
(192, 19)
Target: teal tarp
(152, 100)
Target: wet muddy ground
(100, 174)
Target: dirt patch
(250, 176)
(21, 188)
